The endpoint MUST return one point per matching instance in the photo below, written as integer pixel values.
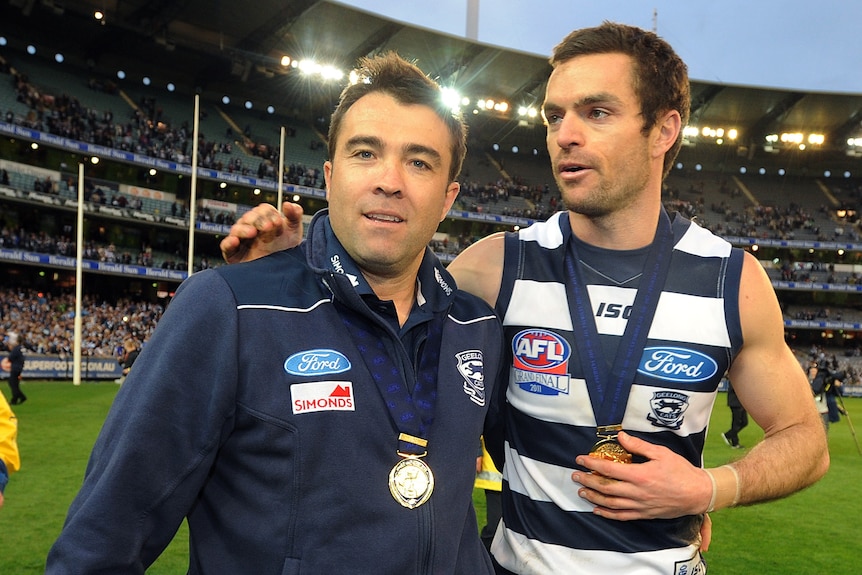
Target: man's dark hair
(404, 81)
(660, 76)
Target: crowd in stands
(46, 322)
(63, 245)
(147, 131)
(496, 198)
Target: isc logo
(540, 350)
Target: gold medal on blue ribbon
(411, 481)
(607, 447)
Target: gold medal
(411, 481)
(608, 447)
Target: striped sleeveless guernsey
(694, 336)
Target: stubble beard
(594, 204)
(602, 200)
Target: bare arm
(262, 231)
(479, 268)
(773, 388)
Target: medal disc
(611, 450)
(411, 482)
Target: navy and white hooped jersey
(549, 420)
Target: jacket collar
(324, 252)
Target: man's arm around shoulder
(479, 268)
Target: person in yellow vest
(10, 460)
(490, 480)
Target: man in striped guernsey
(620, 321)
(618, 315)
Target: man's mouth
(384, 218)
(572, 168)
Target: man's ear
(668, 128)
(451, 193)
(327, 174)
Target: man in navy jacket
(318, 410)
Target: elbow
(822, 465)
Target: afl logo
(540, 350)
(316, 362)
(677, 364)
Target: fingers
(230, 249)
(293, 213)
(638, 446)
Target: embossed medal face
(411, 482)
(611, 450)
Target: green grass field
(814, 532)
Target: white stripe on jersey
(682, 317)
(532, 300)
(700, 242)
(548, 234)
(572, 408)
(544, 482)
(543, 559)
(610, 305)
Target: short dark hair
(391, 74)
(660, 76)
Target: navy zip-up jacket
(252, 413)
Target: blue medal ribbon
(609, 386)
(412, 411)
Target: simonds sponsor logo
(677, 364)
(322, 396)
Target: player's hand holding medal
(607, 447)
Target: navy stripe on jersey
(544, 521)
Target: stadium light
(451, 98)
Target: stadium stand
(138, 221)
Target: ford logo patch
(677, 364)
(316, 362)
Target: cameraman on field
(826, 381)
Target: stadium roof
(236, 47)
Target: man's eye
(598, 114)
(420, 164)
(553, 118)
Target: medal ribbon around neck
(411, 412)
(411, 481)
(609, 391)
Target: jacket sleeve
(494, 429)
(159, 439)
